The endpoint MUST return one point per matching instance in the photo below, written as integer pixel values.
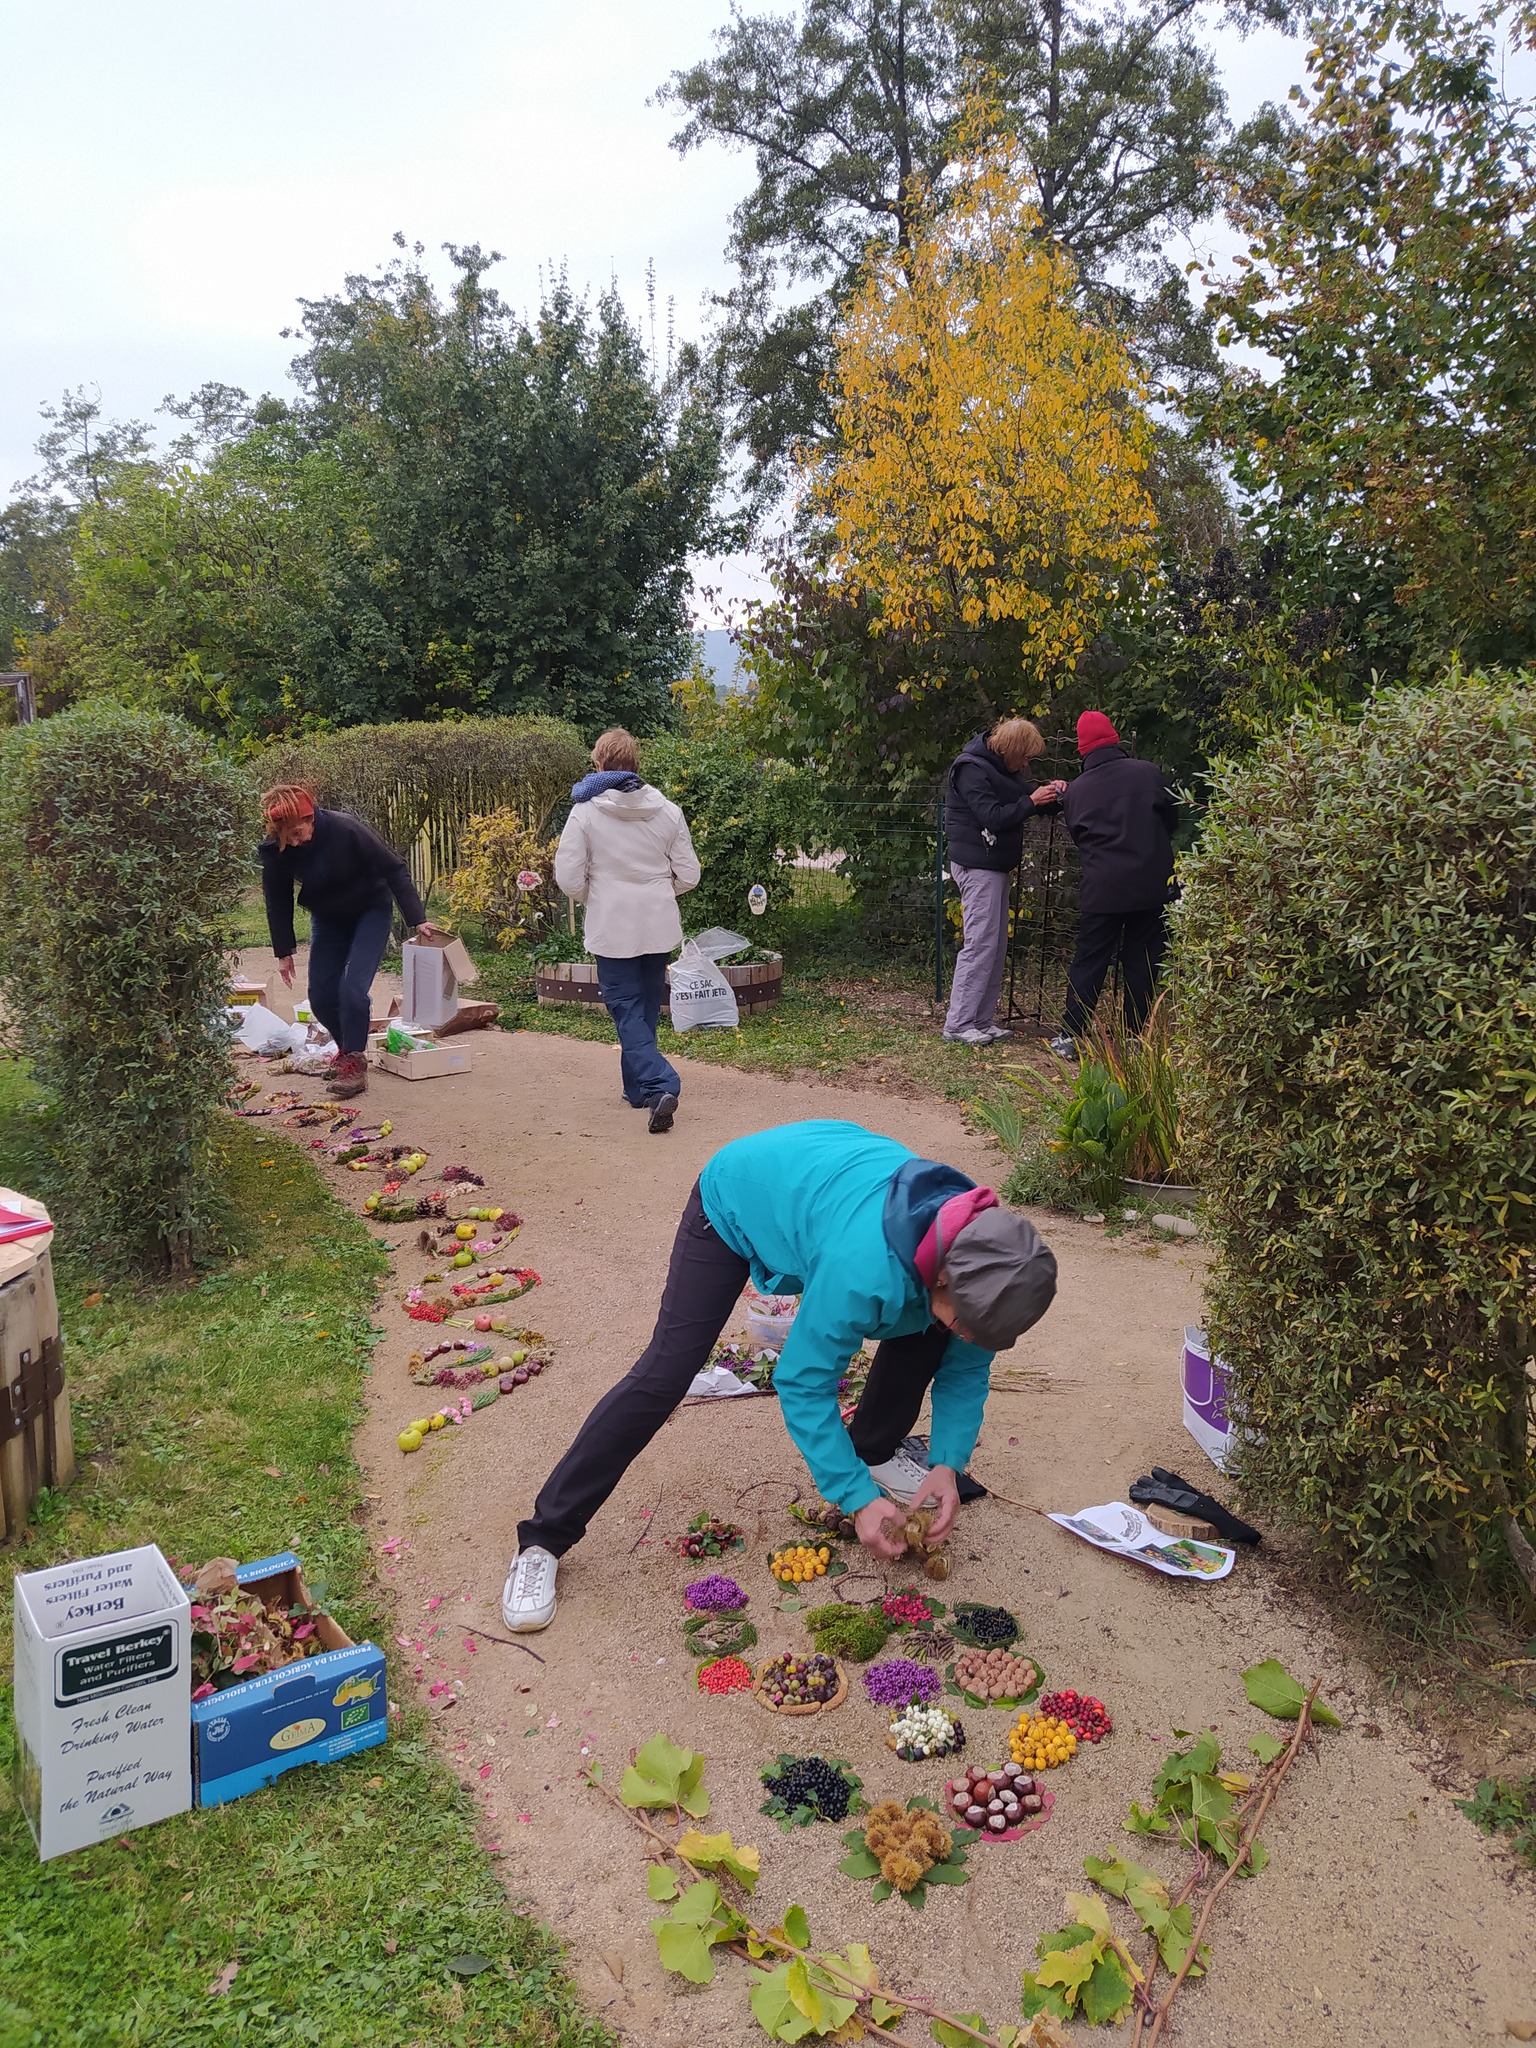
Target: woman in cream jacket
(626, 854)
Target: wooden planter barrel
(37, 1445)
(757, 986)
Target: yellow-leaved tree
(986, 481)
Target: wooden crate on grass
(37, 1442)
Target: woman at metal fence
(627, 855)
(988, 800)
(1122, 816)
(349, 881)
(877, 1243)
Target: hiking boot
(528, 1597)
(349, 1075)
(900, 1478)
(663, 1109)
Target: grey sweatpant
(984, 954)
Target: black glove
(1165, 1489)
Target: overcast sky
(176, 176)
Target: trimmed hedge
(125, 841)
(420, 784)
(1358, 1015)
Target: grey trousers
(984, 954)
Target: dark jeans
(1137, 939)
(704, 1282)
(343, 959)
(633, 990)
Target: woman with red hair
(349, 881)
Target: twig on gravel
(650, 1523)
(507, 1642)
(1008, 1501)
(855, 1579)
(769, 1939)
(758, 1484)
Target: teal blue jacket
(834, 1213)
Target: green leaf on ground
(1108, 1992)
(660, 1883)
(719, 1852)
(663, 1774)
(1271, 1688)
(1265, 1747)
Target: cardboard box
(432, 971)
(102, 1698)
(309, 1712)
(426, 1063)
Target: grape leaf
(1146, 1821)
(1118, 1875)
(1068, 1968)
(1271, 1688)
(660, 1882)
(1091, 1913)
(858, 1962)
(803, 1994)
(719, 1852)
(1108, 1992)
(797, 1928)
(1266, 1747)
(683, 1948)
(662, 1774)
(1046, 1998)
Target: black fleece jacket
(345, 869)
(1122, 814)
(985, 809)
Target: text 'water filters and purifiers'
(103, 1698)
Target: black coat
(984, 796)
(345, 869)
(1122, 815)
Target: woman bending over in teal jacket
(877, 1243)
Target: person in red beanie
(1121, 814)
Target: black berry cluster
(989, 1625)
(811, 1781)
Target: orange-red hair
(287, 805)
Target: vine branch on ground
(786, 1950)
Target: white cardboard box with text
(103, 1698)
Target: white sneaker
(528, 1597)
(900, 1479)
(969, 1036)
(996, 1031)
(1064, 1045)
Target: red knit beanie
(1095, 730)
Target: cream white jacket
(628, 857)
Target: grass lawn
(217, 1419)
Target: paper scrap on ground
(1119, 1527)
(717, 1379)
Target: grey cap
(1002, 1276)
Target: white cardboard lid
(67, 1598)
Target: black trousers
(1137, 939)
(704, 1283)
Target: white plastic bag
(701, 995)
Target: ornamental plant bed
(770, 1673)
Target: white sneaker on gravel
(528, 1597)
(900, 1478)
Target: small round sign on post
(757, 899)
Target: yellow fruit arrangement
(1040, 1742)
(799, 1563)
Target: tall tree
(1391, 280)
(462, 512)
(852, 108)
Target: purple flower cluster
(901, 1682)
(715, 1595)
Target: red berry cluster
(905, 1607)
(726, 1674)
(1087, 1717)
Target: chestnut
(996, 1823)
